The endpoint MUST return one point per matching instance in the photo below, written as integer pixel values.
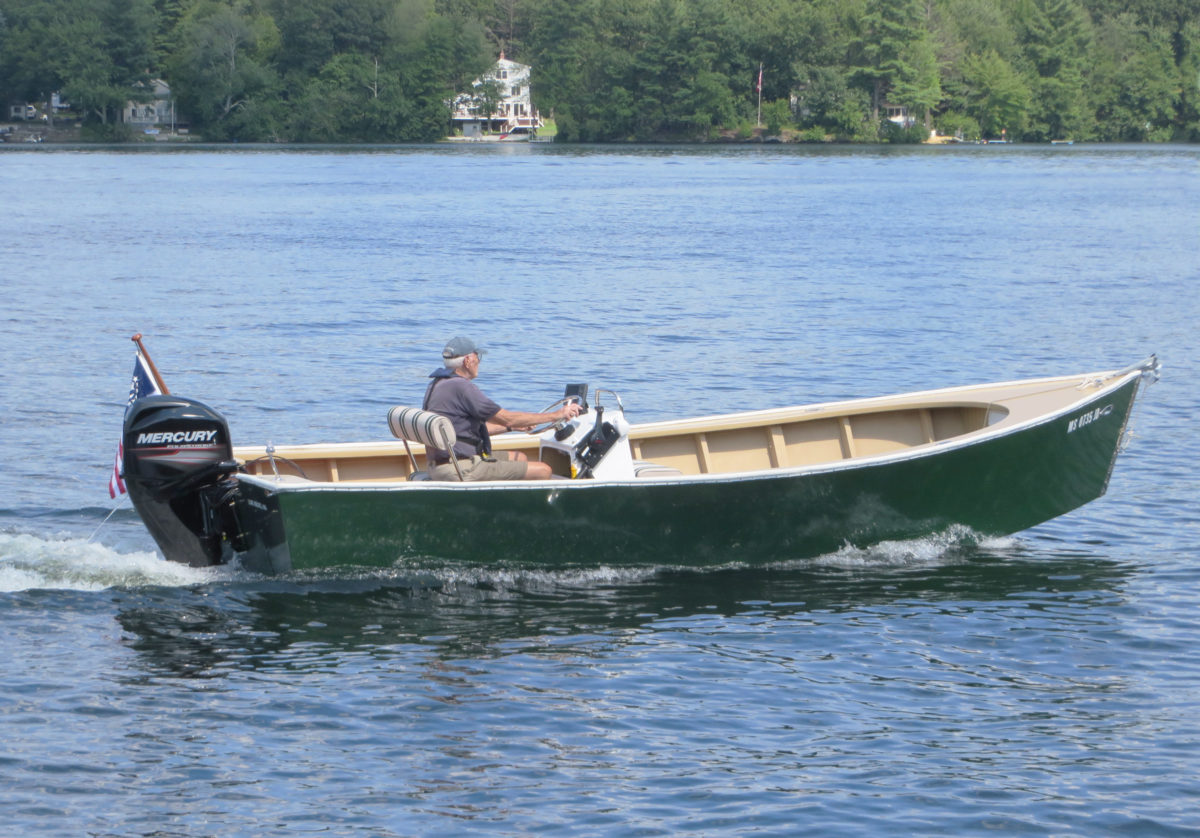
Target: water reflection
(459, 613)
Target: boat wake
(532, 579)
(953, 544)
(34, 562)
(42, 562)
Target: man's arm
(508, 420)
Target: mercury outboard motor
(178, 470)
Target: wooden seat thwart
(430, 429)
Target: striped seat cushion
(430, 429)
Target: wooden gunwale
(763, 440)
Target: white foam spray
(29, 562)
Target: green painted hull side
(998, 486)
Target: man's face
(471, 365)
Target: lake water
(1046, 683)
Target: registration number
(1088, 418)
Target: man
(454, 394)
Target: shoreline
(17, 134)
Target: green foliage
(107, 132)
(826, 103)
(955, 124)
(222, 73)
(488, 97)
(1133, 90)
(1056, 37)
(353, 98)
(883, 53)
(920, 88)
(812, 135)
(777, 115)
(614, 70)
(997, 97)
(95, 52)
(890, 132)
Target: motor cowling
(178, 470)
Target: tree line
(621, 70)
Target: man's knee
(538, 470)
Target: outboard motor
(178, 467)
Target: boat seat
(653, 471)
(432, 430)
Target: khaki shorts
(500, 467)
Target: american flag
(143, 384)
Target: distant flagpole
(759, 118)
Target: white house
(899, 115)
(160, 111)
(513, 115)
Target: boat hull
(994, 484)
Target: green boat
(754, 487)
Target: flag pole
(153, 369)
(759, 118)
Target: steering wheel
(558, 423)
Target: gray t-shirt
(467, 408)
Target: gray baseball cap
(459, 346)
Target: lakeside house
(152, 114)
(499, 105)
(898, 115)
(155, 114)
